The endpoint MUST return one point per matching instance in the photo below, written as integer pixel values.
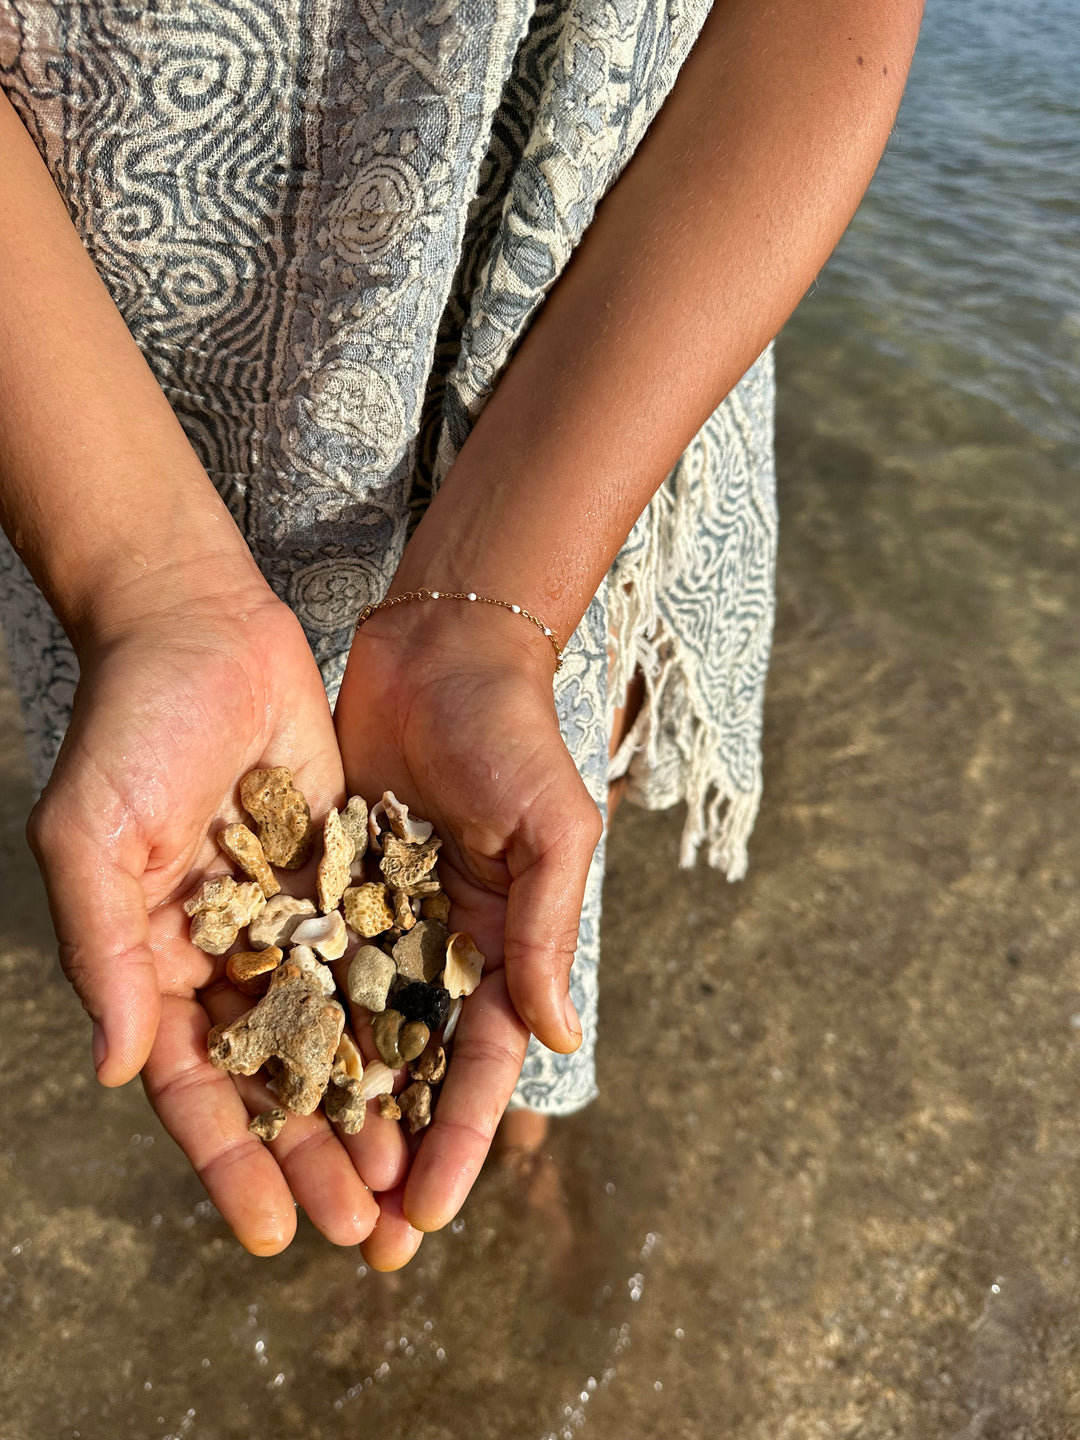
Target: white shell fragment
(452, 1019)
(348, 1052)
(378, 1079)
(377, 825)
(318, 976)
(405, 826)
(464, 965)
(277, 920)
(324, 933)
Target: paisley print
(328, 224)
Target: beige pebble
(421, 954)
(385, 1029)
(371, 973)
(250, 970)
(436, 907)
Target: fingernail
(570, 1015)
(99, 1049)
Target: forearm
(100, 491)
(695, 258)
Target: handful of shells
(387, 938)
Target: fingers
(489, 1047)
(393, 1242)
(252, 1184)
(99, 913)
(550, 865)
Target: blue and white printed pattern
(327, 224)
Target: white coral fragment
(324, 933)
(277, 920)
(219, 910)
(464, 965)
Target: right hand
(173, 708)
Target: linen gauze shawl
(327, 224)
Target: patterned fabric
(328, 223)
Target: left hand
(451, 707)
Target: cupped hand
(172, 710)
(455, 713)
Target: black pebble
(429, 1003)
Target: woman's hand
(451, 707)
(173, 708)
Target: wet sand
(831, 1187)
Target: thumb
(98, 909)
(549, 860)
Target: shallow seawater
(831, 1187)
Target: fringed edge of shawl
(718, 814)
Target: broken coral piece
(431, 1065)
(319, 976)
(415, 1104)
(404, 914)
(268, 1125)
(408, 867)
(244, 848)
(342, 1101)
(389, 1109)
(281, 814)
(293, 1026)
(367, 909)
(335, 865)
(219, 910)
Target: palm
(165, 725)
(475, 748)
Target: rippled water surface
(832, 1186)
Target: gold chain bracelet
(369, 610)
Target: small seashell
(385, 1029)
(413, 1039)
(452, 1019)
(250, 970)
(415, 1105)
(367, 909)
(324, 933)
(281, 814)
(348, 1052)
(244, 849)
(318, 976)
(277, 920)
(371, 973)
(378, 1079)
(219, 910)
(464, 965)
(436, 907)
(405, 826)
(269, 1124)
